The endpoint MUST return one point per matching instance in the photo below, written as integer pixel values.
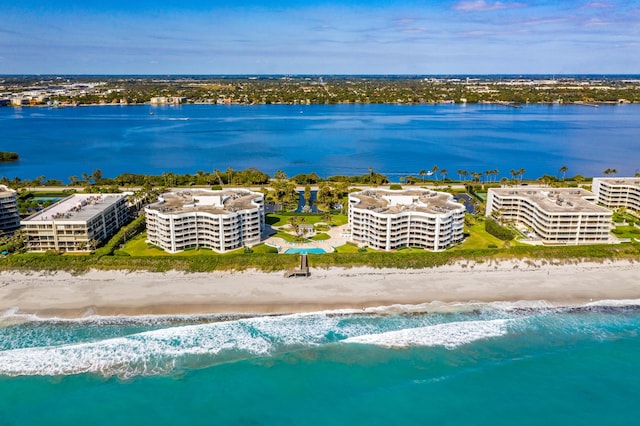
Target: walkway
(336, 239)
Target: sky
(319, 37)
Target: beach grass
(345, 257)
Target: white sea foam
(157, 351)
(449, 335)
(615, 302)
(149, 352)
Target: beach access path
(62, 294)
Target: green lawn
(310, 219)
(263, 248)
(137, 246)
(285, 236)
(346, 248)
(627, 232)
(478, 238)
(321, 237)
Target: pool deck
(336, 234)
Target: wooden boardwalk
(300, 271)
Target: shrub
(498, 231)
(492, 246)
(395, 186)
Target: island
(8, 156)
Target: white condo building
(73, 224)
(9, 216)
(618, 192)
(554, 215)
(388, 220)
(219, 220)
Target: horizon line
(319, 75)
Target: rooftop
(626, 181)
(419, 200)
(6, 191)
(201, 200)
(560, 200)
(77, 207)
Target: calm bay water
(328, 139)
(475, 364)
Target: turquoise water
(313, 250)
(327, 139)
(450, 364)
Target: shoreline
(121, 293)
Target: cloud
(598, 5)
(483, 6)
(414, 30)
(543, 21)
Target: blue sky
(319, 37)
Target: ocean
(396, 140)
(480, 364)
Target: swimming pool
(313, 250)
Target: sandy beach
(62, 294)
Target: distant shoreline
(500, 103)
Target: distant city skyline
(320, 37)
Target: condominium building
(555, 216)
(388, 220)
(219, 220)
(618, 192)
(76, 224)
(9, 216)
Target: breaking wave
(152, 345)
(449, 335)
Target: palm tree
(422, 173)
(444, 174)
(295, 225)
(96, 175)
(278, 175)
(216, 174)
(521, 173)
(459, 174)
(326, 217)
(563, 170)
(229, 175)
(434, 170)
(513, 174)
(465, 174)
